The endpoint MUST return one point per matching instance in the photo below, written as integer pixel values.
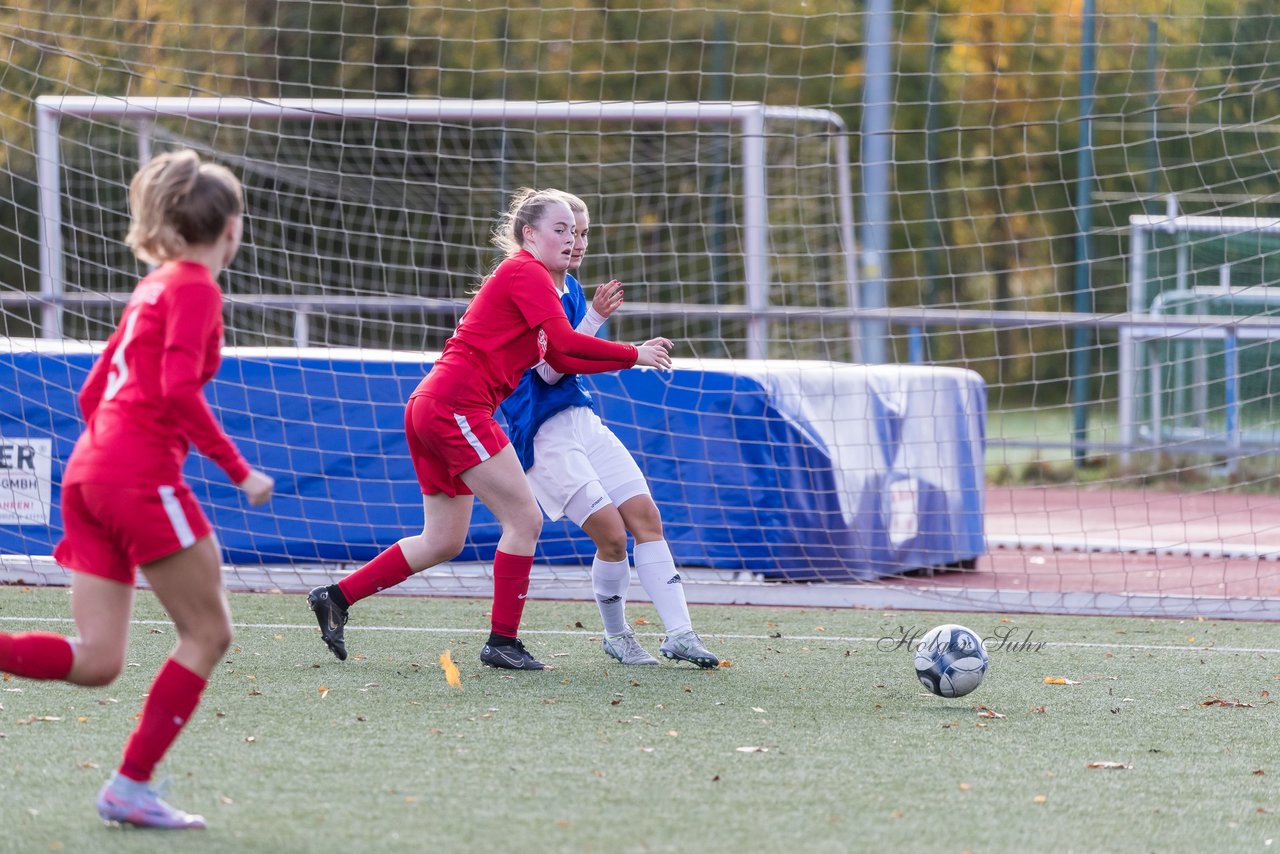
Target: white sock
(609, 581)
(657, 571)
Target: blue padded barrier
(797, 470)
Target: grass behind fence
(817, 738)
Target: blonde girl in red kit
(459, 452)
(124, 502)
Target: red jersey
(515, 321)
(143, 401)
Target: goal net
(368, 221)
(941, 344)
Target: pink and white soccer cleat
(126, 801)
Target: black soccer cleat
(332, 617)
(508, 654)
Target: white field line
(893, 637)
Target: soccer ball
(951, 661)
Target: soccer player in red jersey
(459, 451)
(577, 468)
(124, 502)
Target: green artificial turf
(817, 738)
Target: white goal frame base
(713, 587)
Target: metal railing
(1132, 326)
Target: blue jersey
(534, 400)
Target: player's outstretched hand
(258, 487)
(607, 298)
(653, 354)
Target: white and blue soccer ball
(951, 661)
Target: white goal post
(748, 118)
(1146, 381)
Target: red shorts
(444, 443)
(109, 530)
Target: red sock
(386, 570)
(36, 655)
(174, 696)
(510, 584)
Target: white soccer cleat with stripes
(626, 648)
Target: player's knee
(96, 667)
(446, 549)
(643, 520)
(528, 524)
(221, 637)
(212, 637)
(611, 545)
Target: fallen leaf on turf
(639, 621)
(726, 663)
(752, 749)
(672, 733)
(1038, 710)
(248, 739)
(225, 801)
(324, 692)
(1259, 772)
(984, 712)
(1230, 704)
(1058, 680)
(450, 669)
(1110, 766)
(1039, 799)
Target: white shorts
(579, 466)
